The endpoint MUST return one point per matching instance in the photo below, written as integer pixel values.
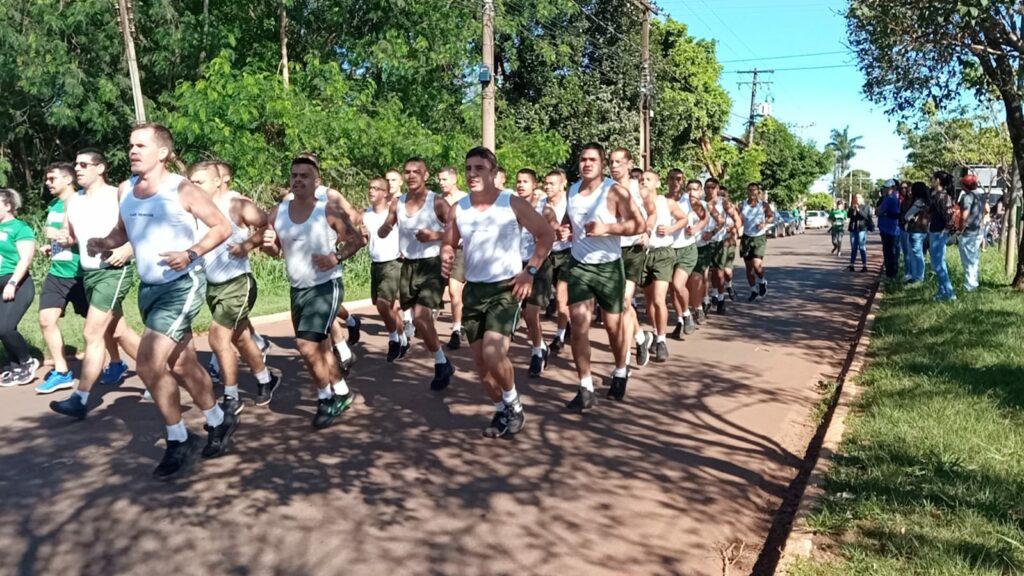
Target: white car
(816, 219)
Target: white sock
(728, 284)
(259, 339)
(763, 281)
(231, 391)
(707, 299)
(560, 334)
(83, 395)
(343, 351)
(661, 338)
(393, 337)
(640, 338)
(350, 321)
(620, 372)
(177, 432)
(439, 357)
(324, 393)
(403, 339)
(214, 416)
(340, 388)
(263, 376)
(686, 314)
(587, 382)
(753, 288)
(715, 294)
(457, 327)
(538, 351)
(499, 406)
(407, 316)
(511, 398)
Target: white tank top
(560, 209)
(220, 264)
(634, 193)
(753, 216)
(593, 207)
(710, 227)
(526, 240)
(722, 232)
(664, 219)
(301, 241)
(93, 216)
(158, 224)
(682, 239)
(381, 249)
(490, 239)
(408, 224)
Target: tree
(791, 165)
(819, 201)
(855, 182)
(844, 149)
(953, 142)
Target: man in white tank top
(158, 216)
(555, 186)
(526, 188)
(660, 267)
(757, 215)
(698, 281)
(447, 181)
(231, 288)
(394, 178)
(306, 229)
(420, 216)
(685, 245)
(723, 253)
(601, 212)
(731, 248)
(385, 268)
(90, 212)
(488, 223)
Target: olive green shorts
(459, 266)
(170, 308)
(314, 309)
(106, 288)
(541, 293)
(716, 254)
(605, 282)
(489, 307)
(421, 283)
(384, 280)
(660, 265)
(703, 259)
(753, 246)
(726, 257)
(633, 260)
(686, 258)
(231, 302)
(560, 262)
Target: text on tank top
(159, 224)
(527, 243)
(301, 241)
(408, 224)
(753, 216)
(381, 249)
(93, 216)
(682, 239)
(664, 218)
(490, 239)
(219, 263)
(634, 194)
(560, 210)
(592, 207)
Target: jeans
(858, 241)
(915, 263)
(891, 254)
(837, 239)
(905, 247)
(937, 248)
(970, 256)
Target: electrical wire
(787, 57)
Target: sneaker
(5, 376)
(498, 426)
(345, 365)
(231, 405)
(617, 391)
(114, 373)
(22, 374)
(864, 269)
(597, 317)
(219, 439)
(720, 306)
(55, 381)
(442, 376)
(660, 352)
(329, 409)
(689, 326)
(705, 307)
(700, 315)
(584, 400)
(753, 296)
(403, 350)
(71, 406)
(515, 417)
(732, 293)
(214, 373)
(394, 351)
(643, 350)
(556, 346)
(179, 457)
(264, 392)
(908, 278)
(677, 334)
(762, 289)
(353, 331)
(456, 341)
(551, 310)
(538, 363)
(851, 268)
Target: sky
(812, 102)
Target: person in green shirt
(63, 283)
(838, 219)
(17, 245)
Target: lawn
(930, 478)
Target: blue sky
(813, 102)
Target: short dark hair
(415, 160)
(675, 171)
(639, 171)
(448, 170)
(307, 159)
(714, 181)
(207, 165)
(919, 191)
(694, 181)
(945, 178)
(624, 151)
(529, 172)
(594, 146)
(556, 172)
(96, 156)
(754, 185)
(66, 168)
(162, 135)
(485, 153)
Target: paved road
(696, 459)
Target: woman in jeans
(941, 214)
(917, 218)
(861, 223)
(17, 245)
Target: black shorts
(58, 292)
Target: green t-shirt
(63, 261)
(838, 218)
(11, 232)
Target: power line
(727, 27)
(800, 68)
(787, 57)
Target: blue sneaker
(114, 373)
(55, 381)
(71, 406)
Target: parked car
(816, 219)
(788, 217)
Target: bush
(819, 201)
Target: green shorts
(660, 266)
(753, 246)
(605, 282)
(106, 288)
(231, 302)
(459, 266)
(541, 293)
(171, 308)
(727, 257)
(703, 259)
(716, 254)
(686, 258)
(489, 307)
(314, 309)
(560, 262)
(633, 260)
(421, 283)
(384, 280)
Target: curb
(279, 316)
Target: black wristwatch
(192, 255)
(531, 270)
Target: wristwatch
(337, 253)
(192, 255)
(531, 270)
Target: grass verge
(930, 475)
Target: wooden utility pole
(126, 20)
(754, 82)
(646, 83)
(283, 16)
(487, 77)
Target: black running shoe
(720, 306)
(753, 296)
(597, 316)
(498, 426)
(705, 307)
(353, 331)
(515, 417)
(617, 391)
(677, 334)
(394, 351)
(851, 268)
(456, 342)
(762, 289)
(537, 364)
(584, 400)
(551, 309)
(442, 376)
(71, 406)
(231, 405)
(556, 346)
(179, 457)
(689, 326)
(731, 293)
(219, 439)
(660, 352)
(345, 365)
(264, 392)
(329, 409)
(863, 269)
(403, 350)
(643, 350)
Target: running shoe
(456, 340)
(442, 376)
(231, 405)
(329, 409)
(179, 457)
(219, 437)
(584, 400)
(71, 406)
(114, 373)
(55, 381)
(660, 352)
(617, 391)
(394, 351)
(265, 392)
(353, 331)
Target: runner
(722, 252)
(447, 181)
(732, 243)
(600, 211)
(394, 178)
(698, 280)
(685, 233)
(231, 288)
(660, 265)
(305, 229)
(757, 215)
(488, 222)
(17, 247)
(838, 219)
(385, 268)
(526, 188)
(560, 257)
(158, 216)
(420, 216)
(92, 213)
(500, 178)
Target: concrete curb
(271, 318)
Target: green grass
(930, 475)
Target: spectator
(972, 210)
(889, 229)
(17, 245)
(941, 221)
(916, 219)
(861, 222)
(905, 202)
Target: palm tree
(844, 148)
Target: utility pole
(646, 83)
(487, 77)
(754, 82)
(126, 20)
